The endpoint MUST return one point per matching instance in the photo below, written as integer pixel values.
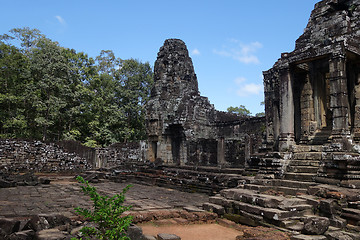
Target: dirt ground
(191, 232)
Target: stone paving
(63, 194)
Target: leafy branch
(106, 213)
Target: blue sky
(230, 41)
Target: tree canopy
(241, 110)
(50, 92)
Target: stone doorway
(313, 118)
(176, 135)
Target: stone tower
(183, 127)
(174, 72)
(312, 95)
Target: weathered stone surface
(316, 225)
(46, 221)
(23, 235)
(51, 234)
(9, 226)
(148, 237)
(341, 235)
(183, 127)
(166, 236)
(307, 237)
(218, 209)
(329, 207)
(135, 232)
(36, 156)
(312, 93)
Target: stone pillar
(286, 138)
(221, 152)
(307, 109)
(357, 111)
(339, 103)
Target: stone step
(314, 201)
(308, 237)
(307, 148)
(292, 184)
(263, 200)
(302, 169)
(211, 207)
(283, 189)
(291, 191)
(310, 163)
(258, 188)
(305, 177)
(267, 213)
(252, 197)
(307, 156)
(351, 214)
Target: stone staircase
(285, 194)
(303, 166)
(307, 210)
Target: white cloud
(245, 89)
(239, 80)
(244, 53)
(195, 52)
(61, 20)
(250, 89)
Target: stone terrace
(62, 195)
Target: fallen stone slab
(149, 237)
(23, 235)
(134, 232)
(315, 225)
(51, 234)
(308, 237)
(9, 226)
(166, 236)
(341, 235)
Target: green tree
(50, 92)
(136, 79)
(241, 110)
(14, 76)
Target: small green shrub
(106, 213)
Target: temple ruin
(184, 128)
(297, 169)
(312, 93)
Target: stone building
(184, 128)
(312, 95)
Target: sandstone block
(166, 236)
(316, 225)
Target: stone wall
(120, 153)
(36, 156)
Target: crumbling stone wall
(183, 127)
(36, 156)
(120, 154)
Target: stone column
(357, 112)
(221, 152)
(339, 103)
(286, 138)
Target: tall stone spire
(174, 72)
